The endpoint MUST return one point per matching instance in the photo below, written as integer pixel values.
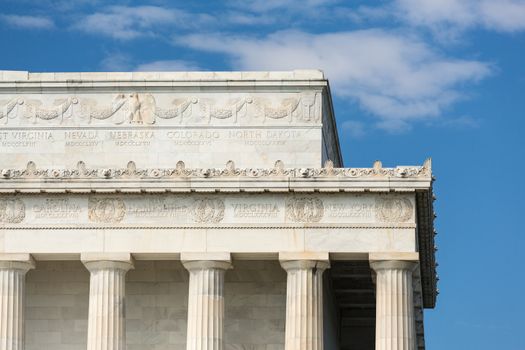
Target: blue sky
(410, 79)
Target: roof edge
(293, 75)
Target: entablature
(295, 209)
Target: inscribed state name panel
(207, 210)
(162, 147)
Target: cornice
(121, 227)
(229, 178)
(172, 80)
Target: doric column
(13, 269)
(206, 299)
(395, 323)
(106, 323)
(304, 300)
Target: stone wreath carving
(180, 170)
(394, 209)
(12, 210)
(304, 209)
(106, 210)
(208, 210)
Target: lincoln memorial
(202, 211)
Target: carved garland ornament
(90, 111)
(34, 110)
(106, 210)
(304, 209)
(142, 108)
(12, 210)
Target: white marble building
(202, 210)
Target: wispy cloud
(27, 22)
(464, 122)
(168, 65)
(439, 15)
(396, 77)
(245, 18)
(126, 23)
(120, 62)
(280, 13)
(261, 6)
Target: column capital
(393, 265)
(201, 261)
(289, 265)
(384, 261)
(24, 262)
(304, 260)
(99, 261)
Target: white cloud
(281, 13)
(504, 15)
(464, 122)
(125, 23)
(120, 62)
(395, 77)
(167, 66)
(28, 22)
(439, 15)
(261, 6)
(245, 18)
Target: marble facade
(220, 173)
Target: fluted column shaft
(12, 295)
(395, 322)
(106, 322)
(304, 304)
(206, 304)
